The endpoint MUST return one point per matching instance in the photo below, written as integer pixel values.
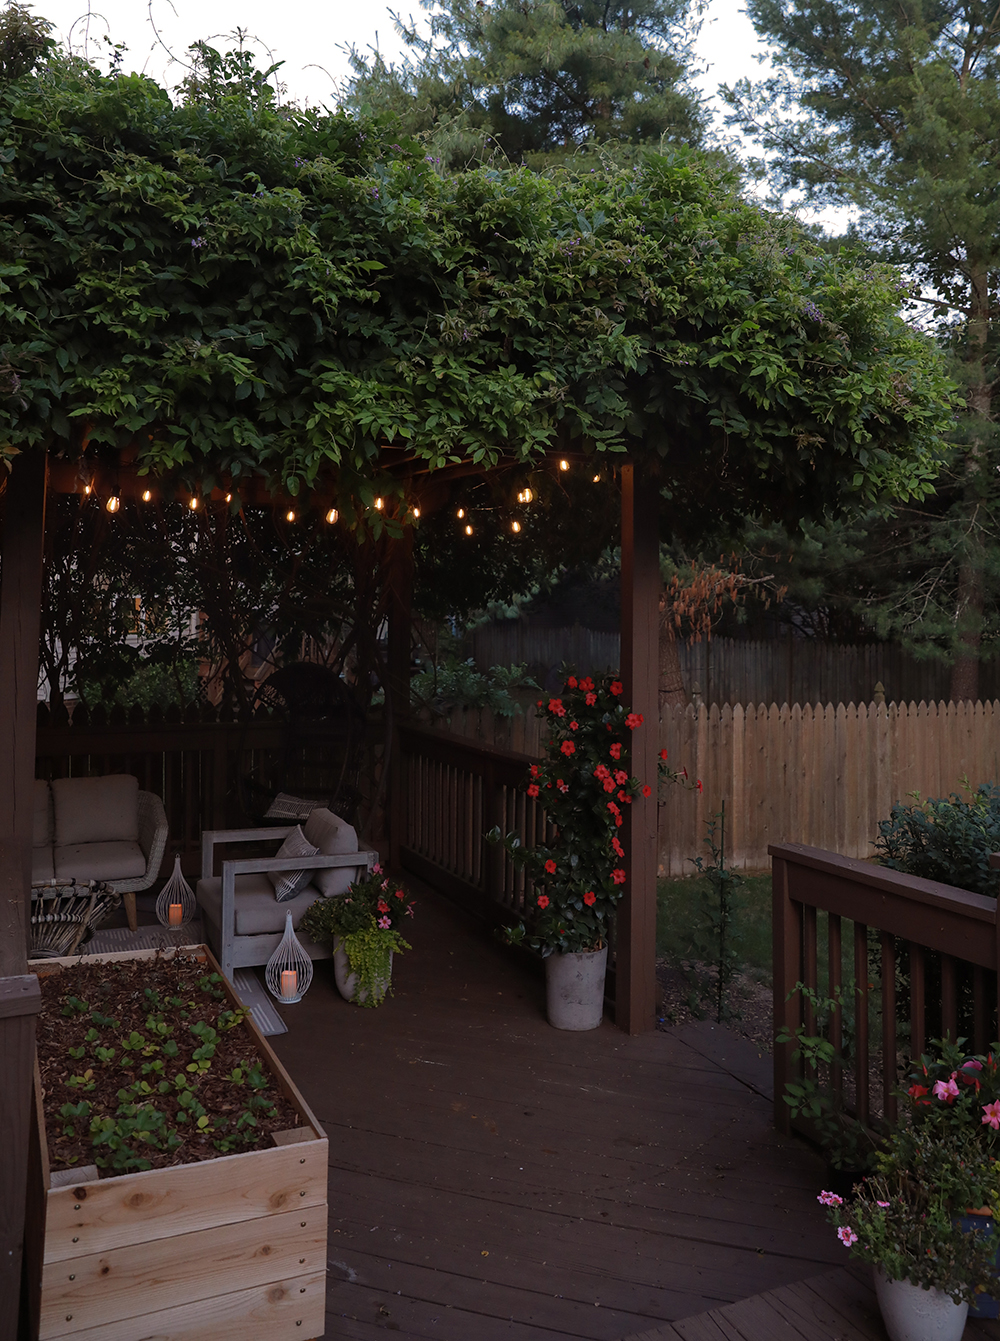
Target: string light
(332, 516)
(468, 530)
(416, 512)
(564, 464)
(87, 490)
(193, 504)
(113, 503)
(597, 479)
(146, 495)
(289, 515)
(515, 526)
(229, 498)
(380, 503)
(525, 496)
(460, 513)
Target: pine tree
(894, 108)
(538, 78)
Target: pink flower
(883, 1204)
(991, 1115)
(946, 1090)
(562, 786)
(830, 1199)
(590, 898)
(376, 869)
(384, 923)
(847, 1235)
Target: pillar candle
(289, 984)
(176, 914)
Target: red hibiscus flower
(587, 685)
(618, 876)
(556, 707)
(399, 893)
(383, 907)
(613, 808)
(663, 755)
(616, 687)
(590, 898)
(602, 771)
(571, 682)
(574, 726)
(616, 750)
(568, 747)
(623, 797)
(550, 866)
(617, 847)
(609, 784)
(533, 789)
(633, 720)
(534, 770)
(543, 900)
(621, 777)
(590, 700)
(647, 790)
(562, 786)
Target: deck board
(491, 1177)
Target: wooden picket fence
(822, 776)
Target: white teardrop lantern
(176, 894)
(289, 971)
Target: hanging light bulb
(564, 464)
(193, 504)
(380, 503)
(468, 530)
(597, 479)
(87, 490)
(113, 503)
(515, 526)
(289, 515)
(416, 512)
(332, 516)
(525, 496)
(146, 495)
(460, 513)
(229, 498)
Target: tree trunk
(672, 691)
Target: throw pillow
(289, 883)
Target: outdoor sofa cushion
(100, 861)
(96, 810)
(42, 868)
(258, 912)
(43, 820)
(333, 837)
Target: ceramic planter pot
(348, 981)
(574, 989)
(911, 1313)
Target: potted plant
(169, 1133)
(906, 1221)
(361, 926)
(578, 875)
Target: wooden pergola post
(398, 653)
(20, 616)
(635, 985)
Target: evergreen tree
(540, 78)
(894, 108)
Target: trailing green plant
(577, 874)
(949, 840)
(847, 1143)
(365, 920)
(717, 941)
(906, 1219)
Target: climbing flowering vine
(577, 875)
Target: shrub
(947, 840)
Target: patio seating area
(492, 1177)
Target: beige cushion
(289, 881)
(100, 861)
(333, 837)
(257, 910)
(43, 828)
(41, 865)
(96, 810)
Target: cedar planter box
(228, 1247)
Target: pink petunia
(991, 1115)
(830, 1199)
(847, 1235)
(883, 1204)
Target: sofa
(98, 829)
(243, 917)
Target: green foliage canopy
(234, 289)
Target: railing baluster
(861, 1059)
(810, 972)
(949, 998)
(980, 1010)
(888, 944)
(918, 1038)
(835, 980)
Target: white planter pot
(911, 1313)
(346, 980)
(574, 989)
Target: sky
(311, 37)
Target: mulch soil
(146, 1004)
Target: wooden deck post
(635, 986)
(399, 651)
(20, 614)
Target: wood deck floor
(492, 1177)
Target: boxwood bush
(947, 840)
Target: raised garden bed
(231, 1242)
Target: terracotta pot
(911, 1313)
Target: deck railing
(453, 792)
(921, 961)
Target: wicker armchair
(153, 834)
